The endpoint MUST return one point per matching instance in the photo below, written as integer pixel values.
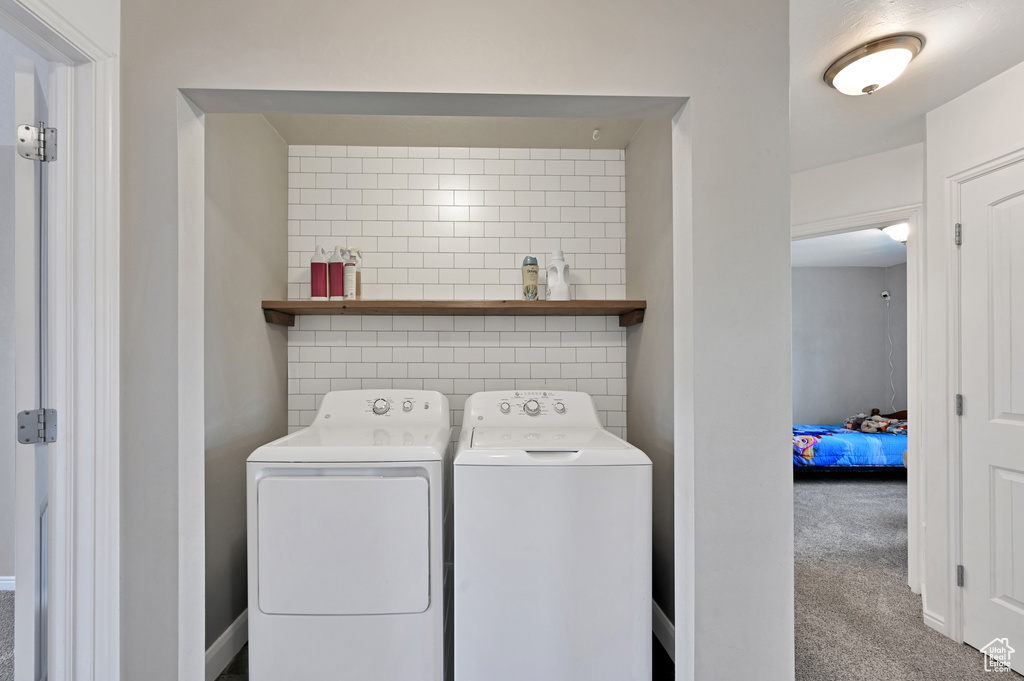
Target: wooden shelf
(629, 312)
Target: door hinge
(959, 575)
(36, 426)
(37, 142)
(958, 234)
(958, 407)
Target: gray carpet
(856, 618)
(6, 635)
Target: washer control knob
(505, 407)
(560, 407)
(381, 406)
(532, 407)
(407, 405)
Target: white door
(25, 83)
(992, 380)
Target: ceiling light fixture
(898, 232)
(872, 66)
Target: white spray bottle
(355, 256)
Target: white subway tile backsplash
(453, 213)
(345, 165)
(368, 152)
(455, 223)
(514, 153)
(513, 183)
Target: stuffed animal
(853, 423)
(875, 424)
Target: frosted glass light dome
(898, 232)
(871, 67)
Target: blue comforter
(837, 446)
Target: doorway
(65, 584)
(850, 491)
(27, 525)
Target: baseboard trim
(664, 630)
(6, 583)
(224, 649)
(937, 623)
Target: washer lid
(320, 443)
(547, 447)
(544, 439)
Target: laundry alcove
(248, 141)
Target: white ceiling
(864, 248)
(966, 43)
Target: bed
(837, 446)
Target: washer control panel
(531, 407)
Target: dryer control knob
(505, 407)
(532, 407)
(381, 406)
(407, 405)
(560, 407)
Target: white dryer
(345, 549)
(552, 543)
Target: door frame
(914, 215)
(954, 440)
(84, 344)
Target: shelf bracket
(276, 317)
(631, 318)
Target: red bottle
(318, 274)
(336, 274)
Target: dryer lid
(320, 443)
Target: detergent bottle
(318, 274)
(558, 277)
(336, 273)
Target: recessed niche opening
(240, 152)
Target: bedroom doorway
(853, 317)
(850, 336)
(912, 215)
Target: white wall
(891, 179)
(94, 22)
(245, 392)
(734, 216)
(650, 362)
(840, 346)
(977, 127)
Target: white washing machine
(346, 566)
(552, 543)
